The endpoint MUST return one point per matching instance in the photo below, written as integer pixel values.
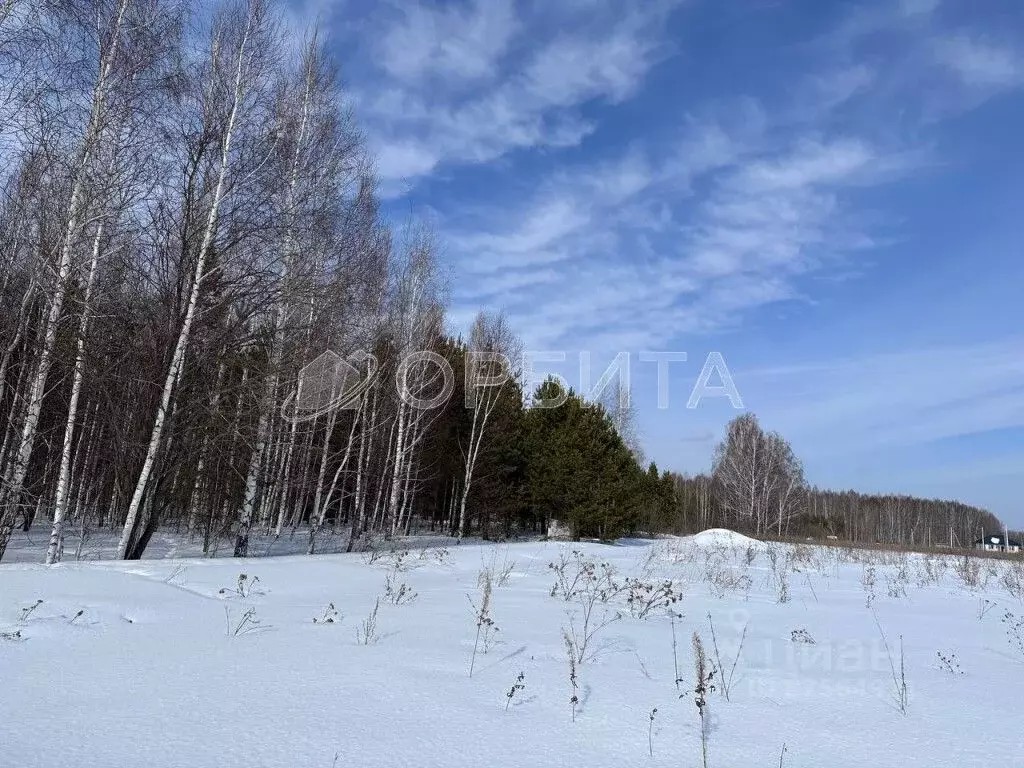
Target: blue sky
(828, 193)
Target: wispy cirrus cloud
(935, 60)
(651, 250)
(451, 46)
(906, 398)
(693, 234)
(466, 83)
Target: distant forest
(757, 485)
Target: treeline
(189, 217)
(757, 485)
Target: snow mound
(718, 537)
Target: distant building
(559, 532)
(997, 542)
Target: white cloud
(834, 88)
(811, 163)
(454, 43)
(980, 62)
(913, 8)
(469, 84)
(401, 159)
(687, 236)
(905, 398)
(629, 252)
(572, 69)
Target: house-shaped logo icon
(330, 383)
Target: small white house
(997, 542)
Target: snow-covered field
(154, 664)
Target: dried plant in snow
(244, 588)
(590, 586)
(329, 616)
(723, 578)
(373, 549)
(401, 560)
(442, 555)
(517, 686)
(576, 577)
(647, 564)
(248, 622)
(968, 569)
(644, 597)
(26, 612)
(947, 663)
(868, 579)
(750, 555)
(702, 688)
(176, 572)
(650, 732)
(504, 573)
(895, 587)
(675, 655)
(801, 553)
(726, 679)
(501, 569)
(1012, 579)
(398, 593)
(1014, 631)
(801, 637)
(485, 626)
(929, 572)
(366, 632)
(810, 586)
(782, 586)
(899, 678)
(572, 651)
(984, 606)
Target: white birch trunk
(359, 504)
(320, 511)
(15, 478)
(405, 514)
(180, 348)
(476, 438)
(60, 501)
(270, 393)
(396, 475)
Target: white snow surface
(149, 674)
(722, 537)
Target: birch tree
(108, 42)
(492, 347)
(231, 88)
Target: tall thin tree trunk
(193, 502)
(320, 510)
(180, 348)
(60, 501)
(359, 503)
(396, 475)
(270, 395)
(15, 478)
